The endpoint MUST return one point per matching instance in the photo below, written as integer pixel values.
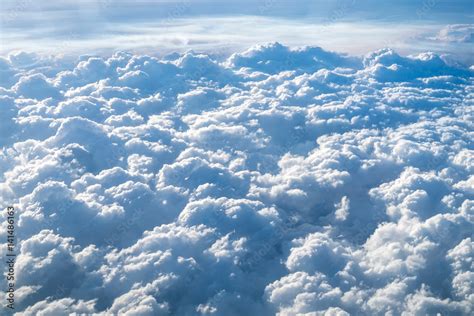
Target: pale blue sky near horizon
(350, 26)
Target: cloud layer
(288, 181)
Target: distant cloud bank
(160, 27)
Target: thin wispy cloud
(106, 25)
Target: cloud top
(279, 181)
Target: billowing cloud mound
(459, 33)
(279, 181)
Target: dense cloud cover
(288, 181)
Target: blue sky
(350, 26)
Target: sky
(237, 158)
(350, 26)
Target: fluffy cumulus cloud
(289, 181)
(460, 33)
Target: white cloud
(463, 33)
(281, 180)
